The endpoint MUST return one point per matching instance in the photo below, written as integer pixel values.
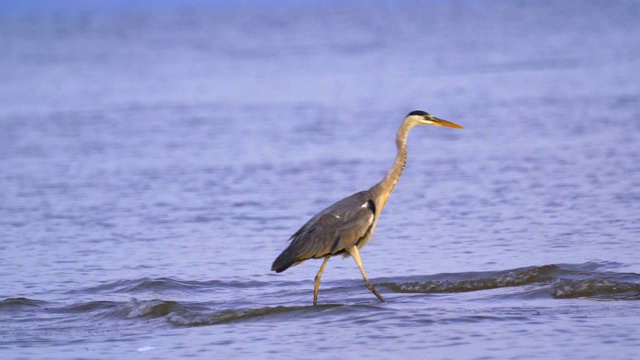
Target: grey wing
(330, 232)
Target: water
(154, 161)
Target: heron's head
(420, 117)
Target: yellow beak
(440, 122)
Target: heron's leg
(356, 256)
(316, 283)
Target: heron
(346, 226)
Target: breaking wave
(535, 275)
(597, 289)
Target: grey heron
(346, 226)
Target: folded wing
(330, 232)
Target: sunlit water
(153, 164)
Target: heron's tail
(284, 261)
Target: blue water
(155, 159)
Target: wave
(190, 318)
(597, 289)
(176, 313)
(490, 281)
(19, 302)
(149, 308)
(146, 285)
(197, 314)
(557, 281)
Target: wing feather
(330, 232)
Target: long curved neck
(383, 189)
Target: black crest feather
(418, 112)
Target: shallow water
(153, 164)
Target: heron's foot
(374, 291)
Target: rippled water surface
(154, 161)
